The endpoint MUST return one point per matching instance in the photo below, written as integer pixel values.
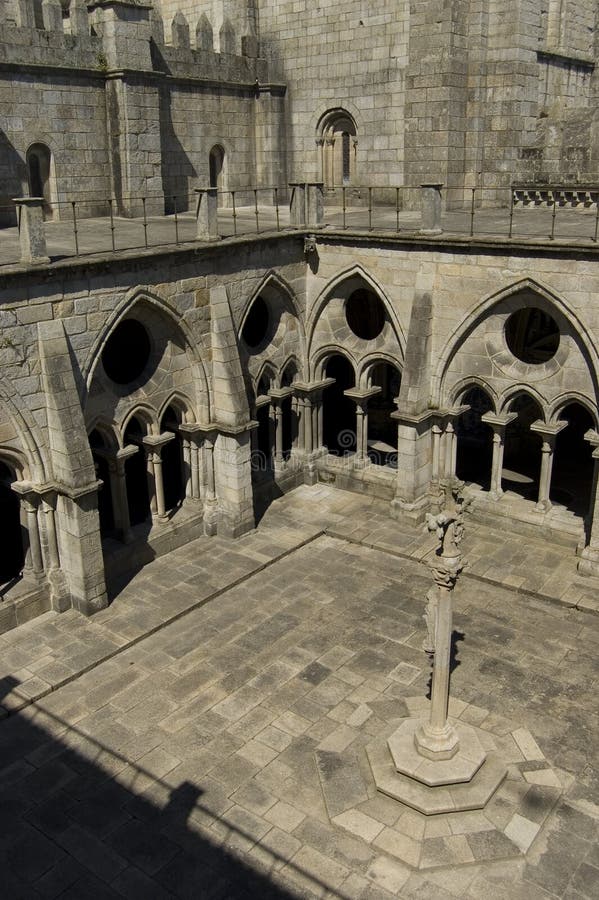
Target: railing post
(431, 208)
(306, 208)
(315, 204)
(30, 217)
(297, 204)
(206, 214)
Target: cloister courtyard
(204, 736)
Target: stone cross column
(437, 738)
(30, 216)
(277, 396)
(549, 434)
(498, 424)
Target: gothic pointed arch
(348, 279)
(507, 300)
(137, 301)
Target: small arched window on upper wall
(217, 171)
(39, 171)
(338, 141)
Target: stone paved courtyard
(204, 756)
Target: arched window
(216, 163)
(338, 139)
(39, 169)
(136, 474)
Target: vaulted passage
(136, 473)
(522, 457)
(572, 475)
(382, 429)
(475, 439)
(12, 555)
(339, 412)
(173, 466)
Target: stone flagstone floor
(174, 744)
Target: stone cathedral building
(149, 396)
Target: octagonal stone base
(466, 782)
(461, 767)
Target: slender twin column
(548, 434)
(277, 397)
(153, 445)
(361, 398)
(498, 424)
(40, 557)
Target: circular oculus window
(127, 351)
(532, 335)
(365, 314)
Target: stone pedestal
(207, 214)
(30, 215)
(431, 208)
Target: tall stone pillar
(133, 105)
(232, 425)
(77, 518)
(415, 417)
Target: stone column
(30, 217)
(589, 554)
(117, 460)
(450, 451)
(361, 398)
(549, 434)
(29, 504)
(436, 432)
(195, 488)
(307, 204)
(431, 208)
(153, 445)
(498, 423)
(207, 214)
(277, 396)
(48, 508)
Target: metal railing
(93, 224)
